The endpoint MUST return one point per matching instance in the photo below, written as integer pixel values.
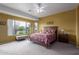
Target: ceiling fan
(38, 7)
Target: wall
(64, 20)
(77, 25)
(3, 28)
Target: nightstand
(63, 38)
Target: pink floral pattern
(47, 36)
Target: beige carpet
(29, 48)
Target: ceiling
(49, 8)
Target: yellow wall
(3, 28)
(77, 25)
(65, 20)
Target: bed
(46, 37)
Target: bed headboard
(50, 29)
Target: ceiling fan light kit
(39, 8)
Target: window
(22, 28)
(18, 27)
(10, 24)
(28, 28)
(36, 26)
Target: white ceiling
(50, 8)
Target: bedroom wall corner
(64, 20)
(4, 38)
